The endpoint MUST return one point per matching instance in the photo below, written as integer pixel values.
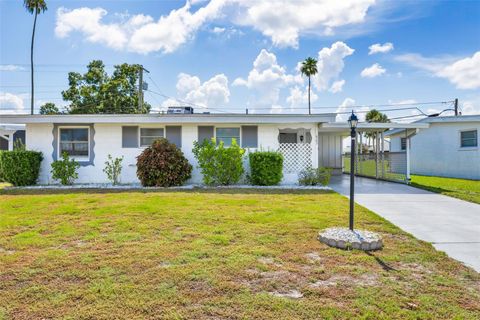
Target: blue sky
(228, 55)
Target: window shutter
(205, 132)
(130, 137)
(249, 136)
(174, 135)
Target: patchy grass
(464, 189)
(232, 254)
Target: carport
(379, 162)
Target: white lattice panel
(296, 156)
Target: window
(148, 135)
(403, 143)
(227, 135)
(468, 139)
(74, 141)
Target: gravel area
(185, 187)
(345, 238)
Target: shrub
(313, 177)
(20, 167)
(219, 165)
(113, 169)
(65, 170)
(266, 168)
(163, 165)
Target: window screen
(74, 141)
(227, 135)
(468, 139)
(148, 135)
(403, 143)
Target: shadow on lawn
(161, 190)
(382, 263)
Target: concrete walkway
(451, 225)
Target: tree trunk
(31, 62)
(309, 108)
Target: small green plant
(19, 145)
(113, 169)
(20, 167)
(163, 165)
(219, 165)
(65, 170)
(266, 168)
(314, 176)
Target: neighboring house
(448, 148)
(10, 133)
(304, 140)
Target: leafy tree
(375, 116)
(49, 108)
(34, 7)
(97, 92)
(309, 69)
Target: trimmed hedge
(163, 165)
(266, 168)
(20, 167)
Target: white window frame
(460, 139)
(239, 141)
(149, 127)
(77, 158)
(401, 145)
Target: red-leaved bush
(163, 165)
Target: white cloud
(213, 93)
(330, 64)
(139, 33)
(266, 79)
(285, 21)
(463, 73)
(218, 30)
(373, 71)
(380, 48)
(11, 103)
(10, 67)
(337, 86)
(343, 108)
(298, 99)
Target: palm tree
(34, 7)
(375, 116)
(309, 68)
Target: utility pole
(140, 87)
(456, 106)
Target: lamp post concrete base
(344, 238)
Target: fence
(387, 165)
(296, 156)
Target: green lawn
(368, 168)
(468, 190)
(214, 255)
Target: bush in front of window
(20, 167)
(314, 176)
(113, 169)
(65, 170)
(163, 165)
(219, 165)
(266, 168)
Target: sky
(232, 55)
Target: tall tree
(34, 7)
(309, 69)
(375, 116)
(49, 108)
(97, 92)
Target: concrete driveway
(451, 225)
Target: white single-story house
(450, 147)
(304, 140)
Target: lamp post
(352, 121)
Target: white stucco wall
(436, 151)
(108, 140)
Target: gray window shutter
(130, 137)
(174, 135)
(205, 132)
(249, 136)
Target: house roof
(344, 127)
(170, 118)
(445, 119)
